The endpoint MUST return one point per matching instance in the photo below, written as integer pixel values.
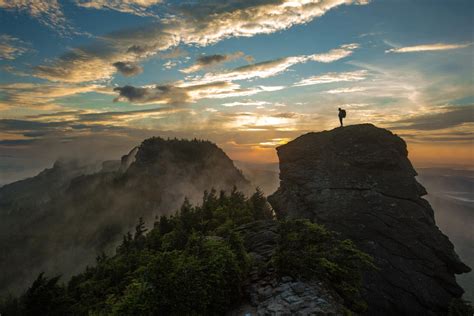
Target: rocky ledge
(358, 181)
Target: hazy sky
(93, 78)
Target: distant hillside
(65, 216)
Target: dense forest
(194, 263)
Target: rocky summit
(359, 182)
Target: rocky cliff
(358, 181)
(58, 221)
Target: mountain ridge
(62, 218)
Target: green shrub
(309, 251)
(192, 263)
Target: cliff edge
(358, 181)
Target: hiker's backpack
(343, 113)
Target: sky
(91, 79)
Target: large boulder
(358, 181)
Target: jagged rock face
(69, 217)
(358, 181)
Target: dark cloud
(55, 114)
(25, 125)
(140, 49)
(181, 93)
(453, 116)
(16, 142)
(77, 120)
(83, 64)
(158, 94)
(128, 69)
(211, 59)
(448, 136)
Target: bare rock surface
(358, 181)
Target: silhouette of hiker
(342, 115)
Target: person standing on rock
(342, 115)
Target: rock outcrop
(268, 293)
(358, 181)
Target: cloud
(260, 121)
(246, 103)
(69, 123)
(47, 12)
(203, 62)
(170, 64)
(128, 69)
(273, 67)
(40, 95)
(448, 117)
(82, 65)
(121, 117)
(333, 77)
(448, 135)
(11, 47)
(163, 94)
(259, 70)
(14, 71)
(212, 23)
(180, 93)
(427, 48)
(28, 126)
(197, 23)
(346, 90)
(335, 54)
(136, 7)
